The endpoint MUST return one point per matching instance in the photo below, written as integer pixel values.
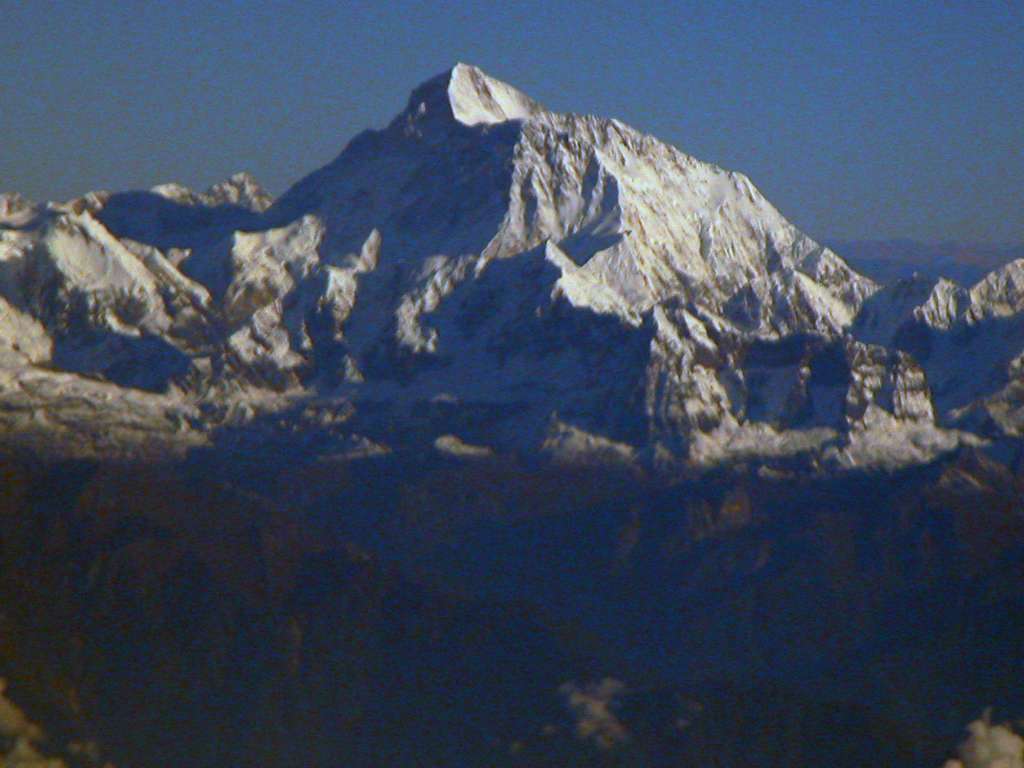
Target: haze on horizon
(857, 120)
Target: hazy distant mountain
(888, 260)
(485, 275)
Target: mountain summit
(475, 98)
(486, 273)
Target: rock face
(489, 271)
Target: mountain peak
(476, 98)
(470, 96)
(240, 189)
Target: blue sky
(859, 120)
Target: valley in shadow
(414, 609)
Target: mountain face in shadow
(164, 223)
(400, 612)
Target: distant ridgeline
(886, 261)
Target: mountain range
(507, 438)
(486, 276)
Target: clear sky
(857, 119)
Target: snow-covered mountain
(488, 274)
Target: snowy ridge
(518, 279)
(241, 190)
(1000, 293)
